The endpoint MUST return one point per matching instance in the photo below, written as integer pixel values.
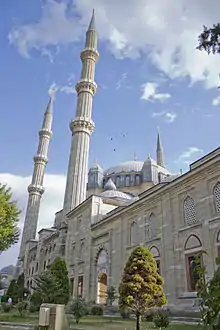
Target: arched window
(193, 248)
(156, 254)
(102, 276)
(133, 233)
(216, 193)
(118, 181)
(127, 181)
(153, 230)
(189, 211)
(137, 180)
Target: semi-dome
(129, 166)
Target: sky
(149, 74)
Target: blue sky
(149, 74)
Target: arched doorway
(102, 277)
(102, 288)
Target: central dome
(129, 166)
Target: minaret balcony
(40, 159)
(35, 189)
(86, 86)
(45, 133)
(89, 53)
(80, 124)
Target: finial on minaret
(160, 155)
(92, 22)
(148, 156)
(135, 156)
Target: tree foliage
(209, 293)
(9, 217)
(78, 308)
(17, 290)
(141, 287)
(12, 289)
(209, 39)
(111, 295)
(53, 284)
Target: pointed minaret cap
(110, 185)
(49, 108)
(92, 22)
(159, 144)
(135, 156)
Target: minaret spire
(82, 126)
(160, 155)
(36, 189)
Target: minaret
(160, 155)
(82, 126)
(36, 189)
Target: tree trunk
(138, 322)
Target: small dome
(109, 185)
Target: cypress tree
(141, 286)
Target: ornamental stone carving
(81, 125)
(86, 86)
(89, 53)
(35, 189)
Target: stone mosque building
(107, 213)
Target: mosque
(107, 213)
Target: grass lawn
(89, 323)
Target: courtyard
(87, 323)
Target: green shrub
(96, 310)
(161, 319)
(78, 308)
(150, 316)
(6, 307)
(22, 307)
(33, 309)
(4, 298)
(36, 301)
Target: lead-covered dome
(126, 167)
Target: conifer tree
(141, 286)
(12, 290)
(53, 284)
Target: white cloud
(119, 83)
(189, 155)
(55, 27)
(150, 93)
(216, 101)
(68, 89)
(169, 116)
(166, 31)
(51, 202)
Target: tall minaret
(82, 126)
(160, 155)
(36, 189)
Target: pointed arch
(156, 254)
(216, 194)
(192, 242)
(189, 211)
(193, 254)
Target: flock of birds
(113, 139)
